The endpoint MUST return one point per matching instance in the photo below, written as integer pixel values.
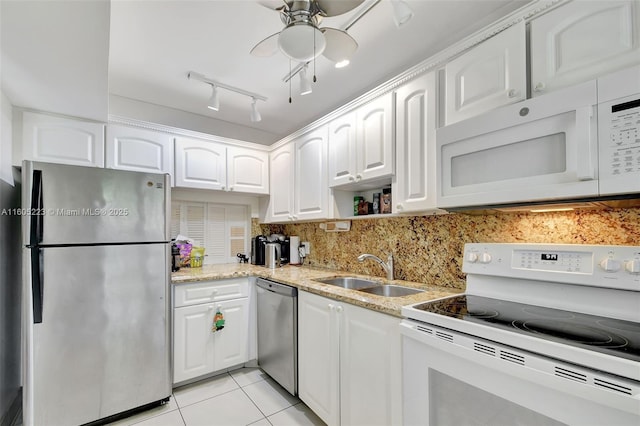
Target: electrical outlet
(307, 247)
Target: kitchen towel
(294, 256)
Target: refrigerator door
(86, 205)
(103, 344)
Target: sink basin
(391, 290)
(352, 283)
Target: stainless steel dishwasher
(278, 332)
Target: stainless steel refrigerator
(95, 291)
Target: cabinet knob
(231, 188)
(330, 306)
(290, 217)
(294, 217)
(512, 93)
(399, 206)
(358, 176)
(339, 309)
(223, 188)
(539, 87)
(351, 178)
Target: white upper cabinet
(374, 138)
(311, 200)
(247, 170)
(414, 188)
(281, 172)
(582, 40)
(211, 165)
(489, 75)
(361, 144)
(141, 150)
(62, 140)
(342, 150)
(200, 164)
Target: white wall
(55, 56)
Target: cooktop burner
(610, 336)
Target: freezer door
(86, 205)
(103, 344)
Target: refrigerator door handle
(37, 210)
(37, 292)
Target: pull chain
(314, 56)
(290, 80)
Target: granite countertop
(303, 278)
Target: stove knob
(633, 266)
(472, 257)
(485, 258)
(610, 265)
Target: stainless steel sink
(391, 290)
(353, 283)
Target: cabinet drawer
(210, 291)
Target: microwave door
(542, 149)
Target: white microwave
(578, 143)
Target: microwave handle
(586, 168)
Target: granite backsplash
(429, 248)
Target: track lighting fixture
(214, 100)
(305, 83)
(402, 13)
(255, 115)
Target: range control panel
(601, 266)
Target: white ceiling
(154, 44)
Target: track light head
(305, 84)
(255, 115)
(214, 101)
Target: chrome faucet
(388, 266)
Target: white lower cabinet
(197, 351)
(348, 362)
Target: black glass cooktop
(610, 336)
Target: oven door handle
(586, 169)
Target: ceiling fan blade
(337, 7)
(267, 47)
(274, 4)
(340, 45)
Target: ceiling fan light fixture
(255, 114)
(340, 47)
(402, 13)
(297, 41)
(305, 82)
(214, 100)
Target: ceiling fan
(302, 38)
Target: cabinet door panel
(231, 344)
(369, 367)
(311, 188)
(415, 185)
(489, 75)
(140, 150)
(192, 342)
(248, 170)
(281, 171)
(342, 150)
(62, 140)
(318, 383)
(200, 164)
(375, 138)
(581, 41)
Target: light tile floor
(246, 396)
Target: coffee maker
(285, 246)
(258, 244)
(175, 257)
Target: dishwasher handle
(278, 288)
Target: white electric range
(544, 335)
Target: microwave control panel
(625, 138)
